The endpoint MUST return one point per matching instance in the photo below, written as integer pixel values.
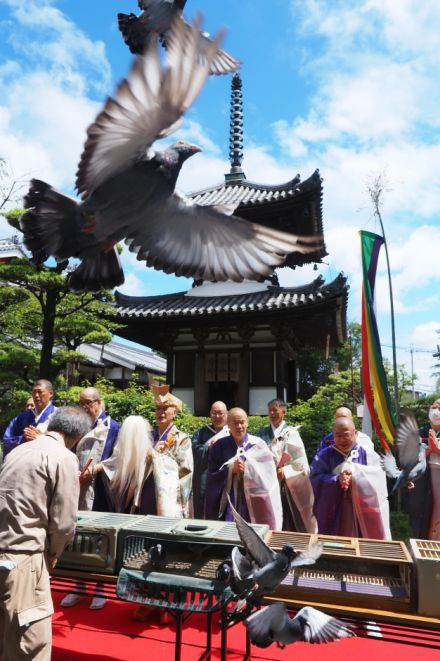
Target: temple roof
(116, 353)
(294, 206)
(180, 305)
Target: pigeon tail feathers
(96, 272)
(47, 223)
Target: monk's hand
(85, 476)
(410, 485)
(280, 474)
(238, 467)
(30, 433)
(345, 480)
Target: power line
(411, 349)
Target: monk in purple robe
(349, 485)
(241, 466)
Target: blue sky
(350, 87)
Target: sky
(349, 87)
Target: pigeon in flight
(127, 190)
(411, 455)
(156, 18)
(273, 624)
(261, 570)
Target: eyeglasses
(87, 402)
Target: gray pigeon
(127, 190)
(261, 570)
(156, 18)
(411, 454)
(273, 624)
(156, 555)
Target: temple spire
(236, 132)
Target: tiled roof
(121, 354)
(274, 298)
(10, 248)
(295, 207)
(247, 192)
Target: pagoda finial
(236, 131)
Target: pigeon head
(224, 572)
(288, 551)
(184, 150)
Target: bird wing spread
(222, 62)
(309, 556)
(264, 625)
(321, 628)
(241, 565)
(146, 106)
(389, 465)
(259, 551)
(407, 442)
(203, 242)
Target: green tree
(42, 324)
(315, 415)
(316, 368)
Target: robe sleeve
(217, 477)
(13, 435)
(298, 463)
(327, 495)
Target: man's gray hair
(71, 421)
(277, 402)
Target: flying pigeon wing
(256, 548)
(146, 106)
(309, 556)
(321, 628)
(389, 465)
(407, 442)
(221, 63)
(420, 467)
(203, 242)
(241, 565)
(264, 625)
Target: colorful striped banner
(373, 373)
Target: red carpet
(81, 634)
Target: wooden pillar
(168, 339)
(201, 403)
(245, 332)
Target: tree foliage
(42, 324)
(316, 368)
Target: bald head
(218, 415)
(90, 400)
(344, 434)
(238, 424)
(343, 412)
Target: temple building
(239, 342)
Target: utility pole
(411, 348)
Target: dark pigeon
(156, 555)
(261, 570)
(411, 455)
(156, 18)
(273, 624)
(127, 190)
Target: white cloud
(133, 286)
(45, 96)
